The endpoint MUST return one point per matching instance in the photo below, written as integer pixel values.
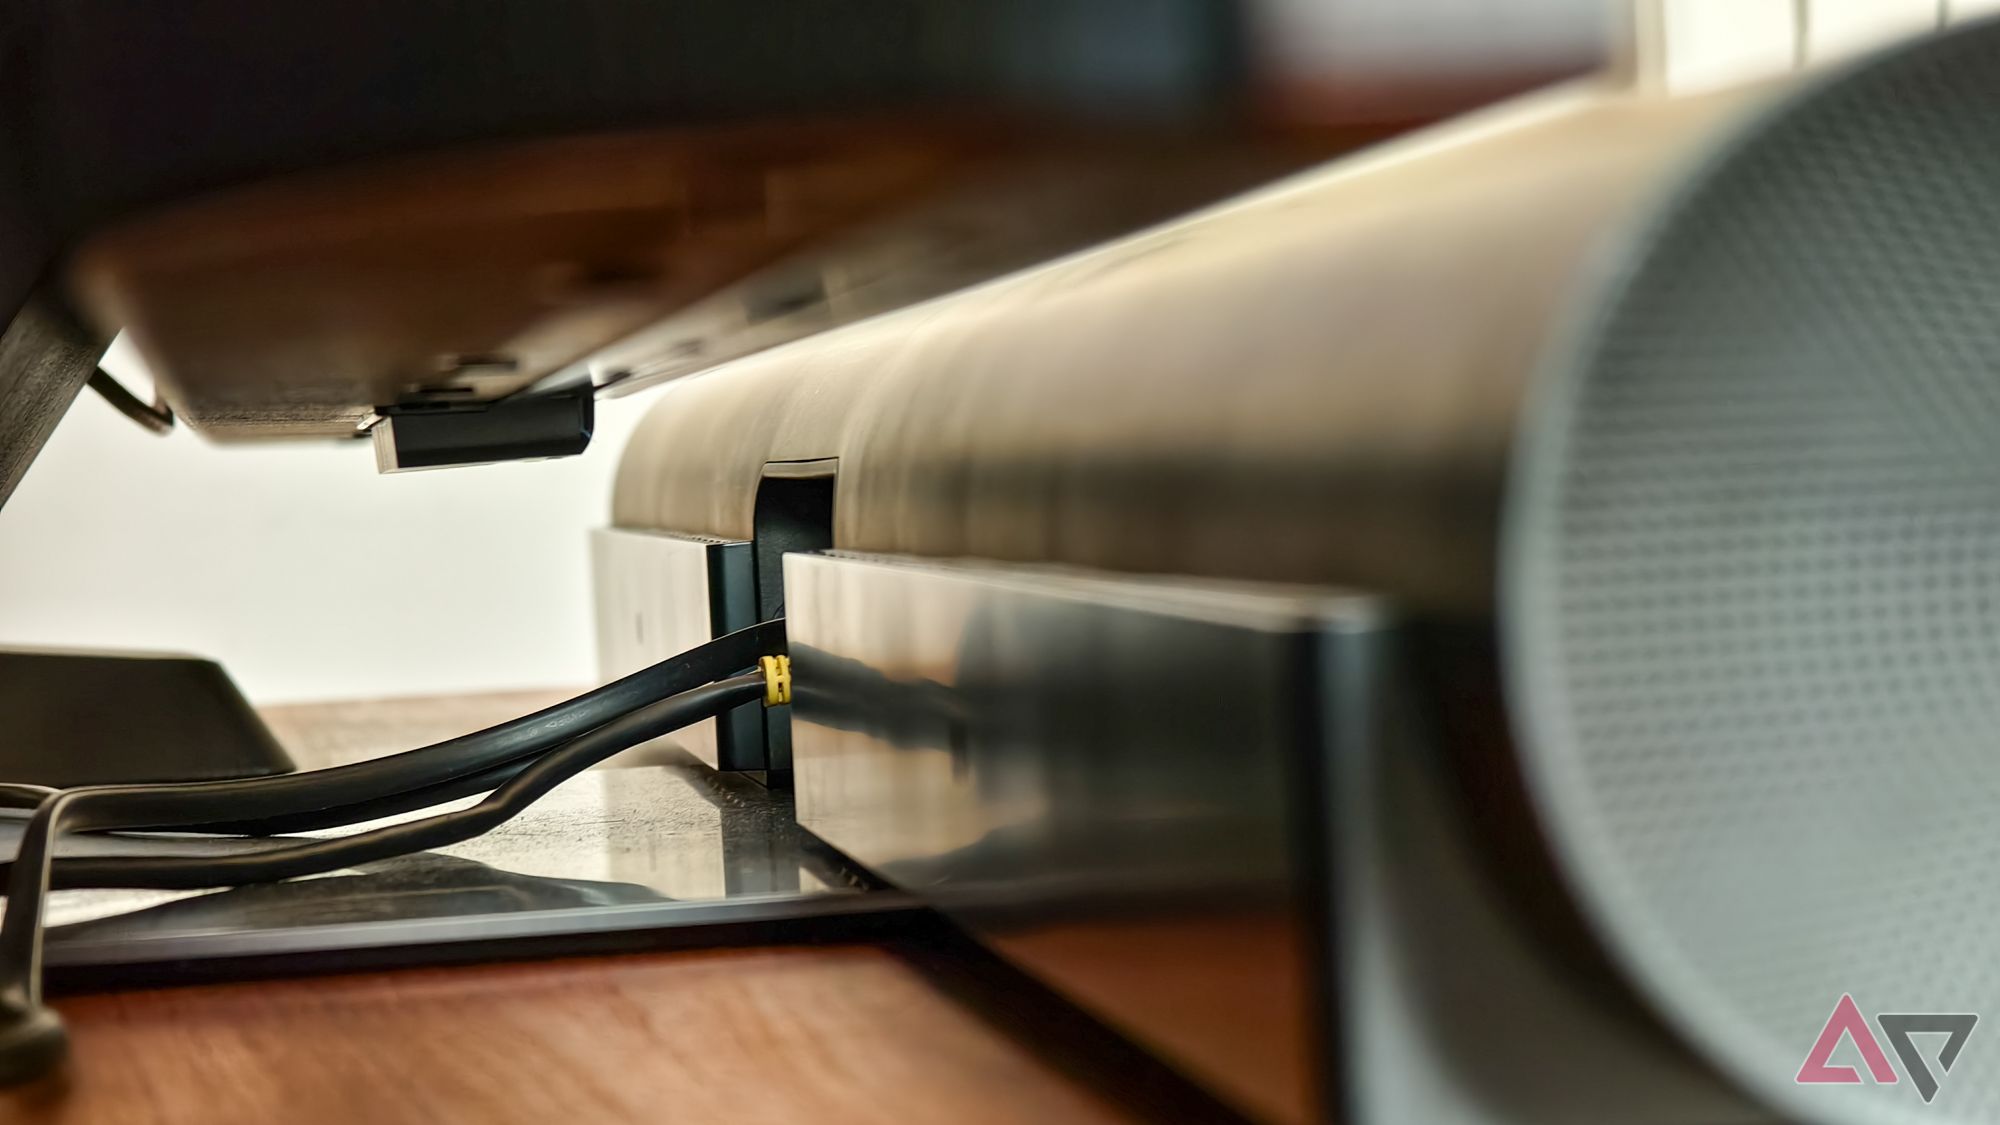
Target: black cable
(302, 802)
(16, 796)
(296, 858)
(32, 1039)
(78, 872)
(432, 775)
(389, 804)
(159, 417)
(172, 872)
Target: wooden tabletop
(835, 1034)
(842, 1034)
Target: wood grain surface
(823, 1034)
(44, 362)
(833, 1034)
(293, 306)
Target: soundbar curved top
(1692, 401)
(1313, 383)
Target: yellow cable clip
(777, 679)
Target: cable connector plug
(777, 679)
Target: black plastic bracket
(436, 435)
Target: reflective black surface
(1103, 778)
(660, 844)
(1226, 821)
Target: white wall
(307, 574)
(1709, 44)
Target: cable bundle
(516, 762)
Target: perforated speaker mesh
(1753, 590)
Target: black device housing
(83, 718)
